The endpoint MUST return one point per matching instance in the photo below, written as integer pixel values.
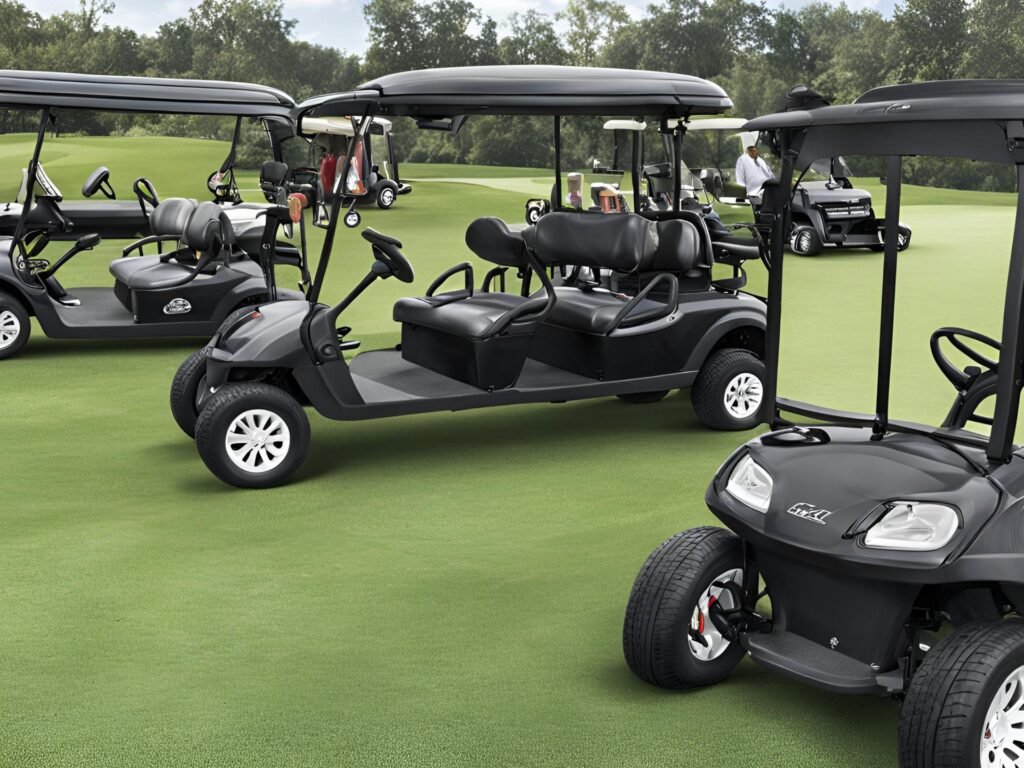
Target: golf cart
(219, 260)
(653, 192)
(367, 182)
(890, 551)
(476, 345)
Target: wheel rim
(10, 328)
(714, 644)
(257, 441)
(387, 196)
(1002, 737)
(802, 242)
(743, 395)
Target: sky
(339, 23)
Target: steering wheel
(386, 249)
(146, 192)
(957, 337)
(99, 181)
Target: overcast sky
(339, 23)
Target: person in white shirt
(752, 171)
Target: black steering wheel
(146, 192)
(99, 181)
(957, 337)
(386, 250)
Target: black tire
(16, 326)
(714, 379)
(188, 391)
(805, 241)
(902, 244)
(655, 633)
(641, 398)
(942, 721)
(387, 193)
(231, 402)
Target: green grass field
(442, 590)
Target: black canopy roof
(534, 90)
(24, 89)
(958, 118)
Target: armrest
(467, 290)
(148, 240)
(497, 272)
(670, 306)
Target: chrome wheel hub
(1002, 736)
(257, 441)
(713, 645)
(743, 395)
(10, 328)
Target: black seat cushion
(208, 228)
(595, 311)
(171, 216)
(148, 273)
(495, 241)
(623, 243)
(478, 317)
(679, 245)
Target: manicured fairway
(441, 590)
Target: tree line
(755, 52)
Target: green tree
(532, 39)
(930, 36)
(995, 41)
(591, 24)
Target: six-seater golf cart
(666, 325)
(890, 551)
(218, 259)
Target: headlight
(914, 525)
(750, 484)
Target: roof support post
(45, 116)
(637, 153)
(776, 248)
(677, 161)
(893, 188)
(556, 198)
(1004, 422)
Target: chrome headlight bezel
(914, 526)
(750, 484)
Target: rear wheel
(668, 636)
(729, 391)
(965, 703)
(189, 391)
(15, 326)
(252, 435)
(640, 398)
(386, 195)
(805, 242)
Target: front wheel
(386, 195)
(729, 391)
(15, 326)
(668, 637)
(805, 241)
(965, 703)
(189, 391)
(252, 435)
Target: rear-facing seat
(481, 338)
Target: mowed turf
(441, 590)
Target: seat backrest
(678, 247)
(492, 240)
(171, 216)
(623, 243)
(207, 229)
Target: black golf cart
(664, 324)
(370, 180)
(216, 262)
(890, 551)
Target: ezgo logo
(810, 512)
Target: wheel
(189, 391)
(965, 704)
(15, 326)
(641, 398)
(902, 240)
(729, 390)
(386, 196)
(533, 214)
(668, 637)
(252, 435)
(805, 242)
(352, 219)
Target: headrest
(678, 246)
(208, 228)
(623, 243)
(171, 216)
(493, 241)
(273, 173)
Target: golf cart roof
(533, 90)
(23, 89)
(340, 125)
(973, 119)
